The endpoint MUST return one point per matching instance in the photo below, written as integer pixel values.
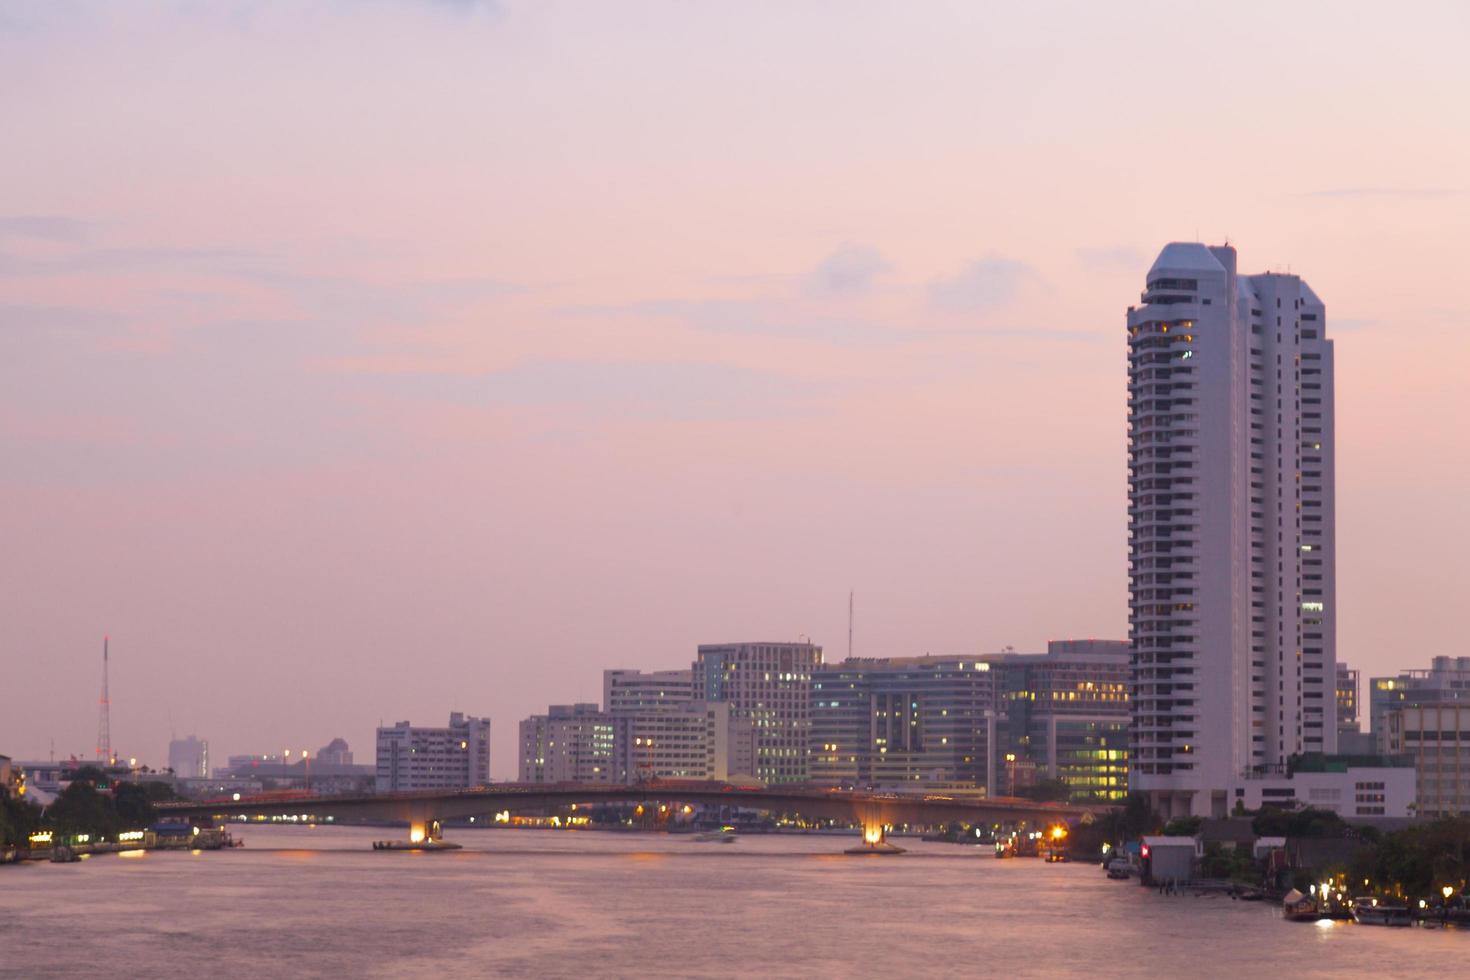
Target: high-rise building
(335, 753)
(454, 757)
(628, 691)
(903, 723)
(1064, 716)
(1231, 513)
(673, 740)
(571, 743)
(189, 757)
(769, 684)
(1447, 681)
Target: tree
(80, 809)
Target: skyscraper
(1231, 510)
(454, 757)
(189, 756)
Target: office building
(454, 757)
(903, 723)
(571, 743)
(769, 684)
(629, 691)
(189, 757)
(1351, 739)
(1353, 788)
(1437, 738)
(1064, 718)
(1447, 681)
(1231, 522)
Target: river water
(299, 901)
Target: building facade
(629, 691)
(572, 743)
(454, 757)
(1065, 717)
(903, 723)
(1361, 789)
(674, 740)
(189, 757)
(1437, 738)
(770, 685)
(1232, 612)
(1447, 681)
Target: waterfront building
(571, 743)
(1352, 787)
(903, 723)
(629, 691)
(1232, 612)
(1437, 737)
(1066, 713)
(769, 684)
(11, 778)
(1447, 681)
(688, 740)
(454, 757)
(675, 740)
(189, 757)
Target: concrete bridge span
(872, 811)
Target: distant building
(629, 691)
(335, 753)
(11, 781)
(903, 723)
(1437, 737)
(677, 740)
(453, 757)
(1447, 681)
(1067, 711)
(1347, 698)
(189, 757)
(571, 743)
(769, 684)
(998, 723)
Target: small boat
(725, 835)
(1368, 912)
(1296, 907)
(1120, 870)
(423, 845)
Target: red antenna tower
(104, 713)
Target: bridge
(425, 811)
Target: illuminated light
(196, 831)
(128, 835)
(237, 797)
(1447, 891)
(415, 833)
(132, 762)
(464, 745)
(1423, 904)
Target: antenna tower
(104, 715)
(849, 624)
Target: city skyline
(544, 365)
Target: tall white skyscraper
(1231, 512)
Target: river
(303, 901)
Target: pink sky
(370, 360)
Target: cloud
(1396, 192)
(849, 271)
(983, 284)
(764, 319)
(46, 227)
(1112, 258)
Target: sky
(367, 360)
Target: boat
(1368, 912)
(1120, 870)
(1296, 907)
(423, 845)
(725, 835)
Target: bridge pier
(875, 837)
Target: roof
(1185, 257)
(1170, 842)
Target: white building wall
(1358, 793)
(1232, 621)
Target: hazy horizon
(363, 361)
